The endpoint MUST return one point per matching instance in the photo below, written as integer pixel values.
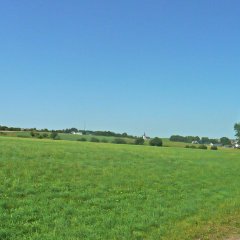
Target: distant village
(233, 144)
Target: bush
(214, 148)
(32, 133)
(202, 147)
(45, 135)
(139, 141)
(93, 139)
(119, 141)
(104, 140)
(82, 139)
(57, 138)
(54, 135)
(40, 137)
(190, 146)
(156, 142)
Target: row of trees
(70, 130)
(187, 139)
(203, 140)
(201, 146)
(190, 139)
(88, 132)
(138, 141)
(111, 134)
(5, 128)
(53, 135)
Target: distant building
(215, 144)
(235, 144)
(195, 142)
(145, 137)
(77, 133)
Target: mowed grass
(78, 190)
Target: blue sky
(159, 66)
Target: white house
(77, 133)
(215, 144)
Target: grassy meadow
(72, 137)
(64, 136)
(79, 190)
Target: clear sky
(157, 66)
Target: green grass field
(79, 190)
(64, 136)
(72, 137)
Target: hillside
(74, 190)
(72, 137)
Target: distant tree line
(138, 141)
(5, 128)
(201, 146)
(110, 134)
(203, 140)
(70, 130)
(53, 135)
(187, 139)
(89, 132)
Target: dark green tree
(45, 135)
(156, 142)
(82, 139)
(54, 135)
(225, 141)
(214, 148)
(32, 133)
(237, 130)
(119, 141)
(94, 139)
(202, 146)
(139, 141)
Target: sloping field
(72, 137)
(64, 136)
(77, 190)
